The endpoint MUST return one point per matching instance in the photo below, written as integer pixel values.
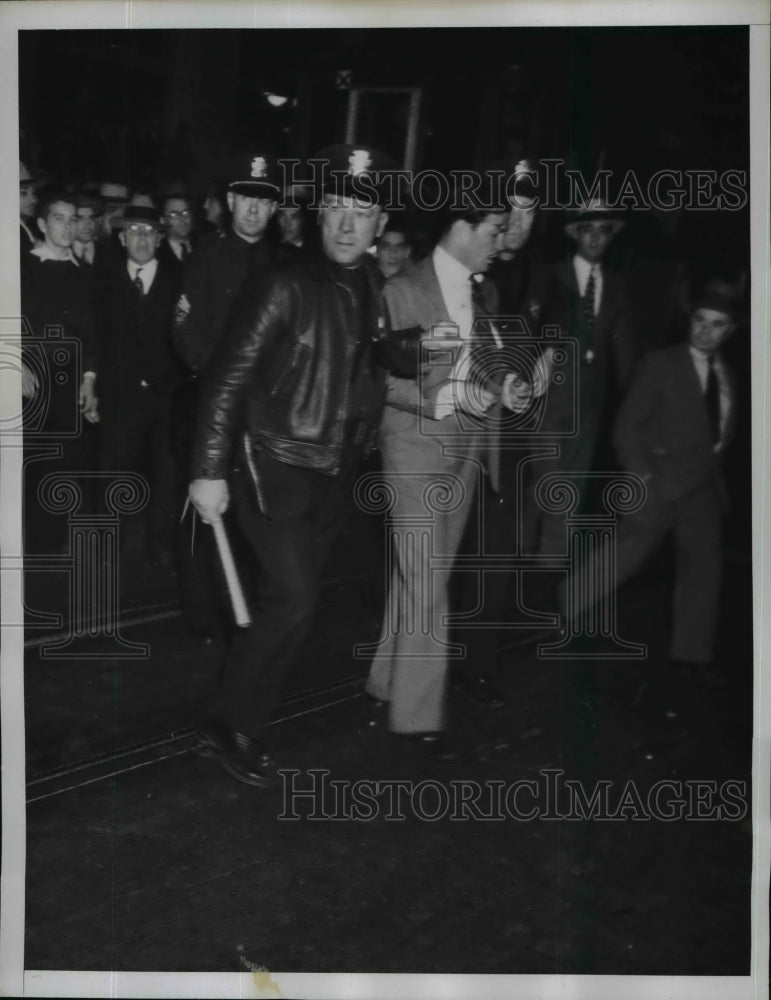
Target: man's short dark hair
(50, 196)
(474, 217)
(397, 224)
(174, 196)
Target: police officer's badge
(259, 167)
(359, 162)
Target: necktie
(184, 250)
(478, 306)
(88, 253)
(480, 309)
(587, 303)
(138, 282)
(712, 400)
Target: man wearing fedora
(294, 392)
(138, 370)
(586, 300)
(672, 430)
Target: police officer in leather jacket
(293, 397)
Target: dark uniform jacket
(296, 369)
(213, 278)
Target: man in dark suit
(672, 431)
(438, 429)
(87, 247)
(177, 218)
(138, 370)
(585, 299)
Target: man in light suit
(437, 436)
(672, 431)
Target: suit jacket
(610, 342)
(134, 335)
(415, 305)
(662, 430)
(171, 262)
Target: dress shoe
(241, 756)
(480, 690)
(433, 745)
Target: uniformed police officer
(214, 276)
(295, 384)
(216, 273)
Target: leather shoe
(241, 756)
(480, 690)
(434, 745)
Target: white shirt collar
(148, 271)
(43, 252)
(176, 246)
(701, 359)
(449, 267)
(584, 268)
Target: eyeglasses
(137, 229)
(603, 228)
(184, 214)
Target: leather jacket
(296, 371)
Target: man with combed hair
(56, 298)
(440, 427)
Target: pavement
(364, 855)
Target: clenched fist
(210, 497)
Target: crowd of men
(250, 356)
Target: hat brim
(571, 228)
(256, 189)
